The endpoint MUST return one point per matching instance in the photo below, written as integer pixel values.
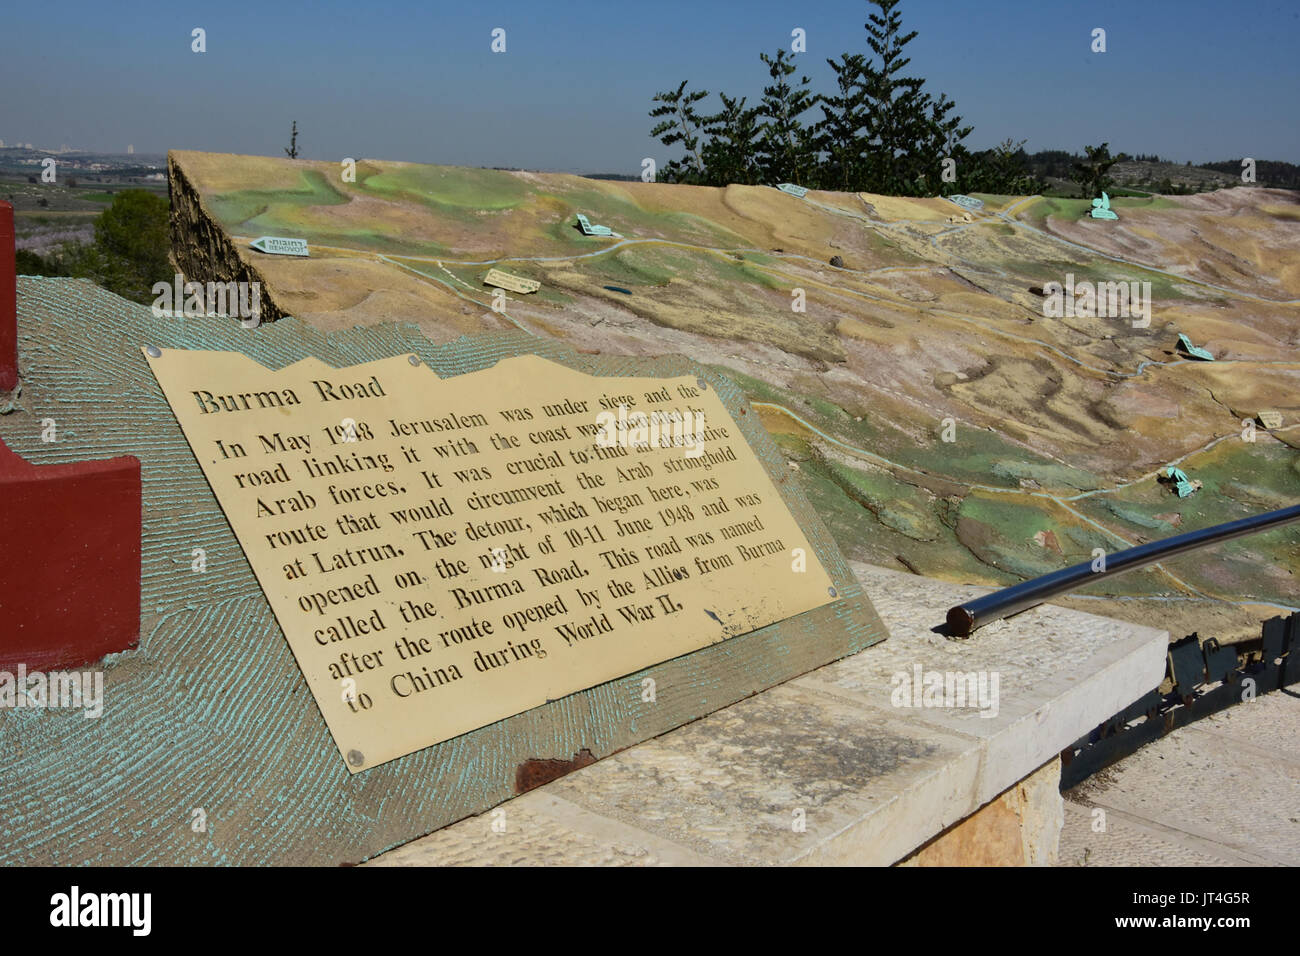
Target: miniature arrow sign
(1183, 485)
(1195, 351)
(591, 229)
(504, 280)
(792, 189)
(966, 202)
(278, 246)
(1101, 208)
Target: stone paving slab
(825, 769)
(527, 831)
(1060, 672)
(1224, 791)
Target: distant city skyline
(79, 150)
(573, 89)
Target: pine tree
(895, 103)
(729, 155)
(842, 133)
(941, 139)
(1003, 170)
(879, 129)
(786, 152)
(1092, 173)
(683, 125)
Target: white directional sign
(278, 246)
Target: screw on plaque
(832, 592)
(153, 351)
(414, 360)
(702, 384)
(356, 758)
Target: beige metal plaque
(504, 280)
(445, 553)
(1270, 419)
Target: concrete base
(838, 766)
(1021, 827)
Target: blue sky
(1194, 80)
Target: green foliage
(1267, 172)
(786, 152)
(132, 243)
(1092, 173)
(942, 136)
(879, 130)
(77, 260)
(845, 125)
(28, 263)
(729, 154)
(1003, 170)
(683, 124)
(1056, 163)
(897, 106)
(129, 253)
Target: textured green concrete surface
(211, 712)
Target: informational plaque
(445, 553)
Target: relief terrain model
(981, 401)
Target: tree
(292, 149)
(129, 254)
(131, 237)
(1091, 173)
(785, 152)
(842, 132)
(940, 138)
(729, 155)
(28, 263)
(1003, 170)
(879, 130)
(895, 103)
(682, 125)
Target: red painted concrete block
(8, 301)
(69, 561)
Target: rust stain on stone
(537, 771)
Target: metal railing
(965, 618)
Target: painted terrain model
(943, 412)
